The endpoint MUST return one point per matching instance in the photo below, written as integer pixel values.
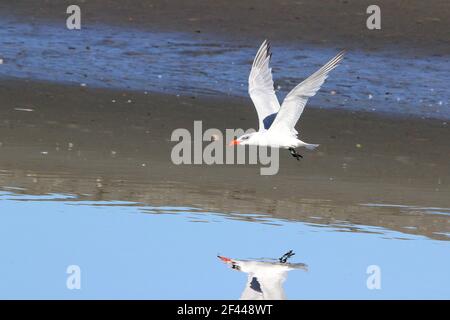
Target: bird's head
(233, 264)
(243, 140)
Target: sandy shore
(70, 139)
(418, 26)
(76, 140)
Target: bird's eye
(245, 138)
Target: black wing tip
(268, 46)
(337, 58)
(342, 53)
(263, 53)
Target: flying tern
(277, 123)
(265, 278)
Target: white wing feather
(294, 103)
(260, 85)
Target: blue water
(132, 250)
(177, 63)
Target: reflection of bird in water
(265, 278)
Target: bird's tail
(310, 146)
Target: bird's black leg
(295, 154)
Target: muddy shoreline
(76, 140)
(415, 26)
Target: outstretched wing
(260, 87)
(294, 103)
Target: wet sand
(416, 26)
(108, 56)
(77, 141)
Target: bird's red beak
(234, 142)
(224, 259)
